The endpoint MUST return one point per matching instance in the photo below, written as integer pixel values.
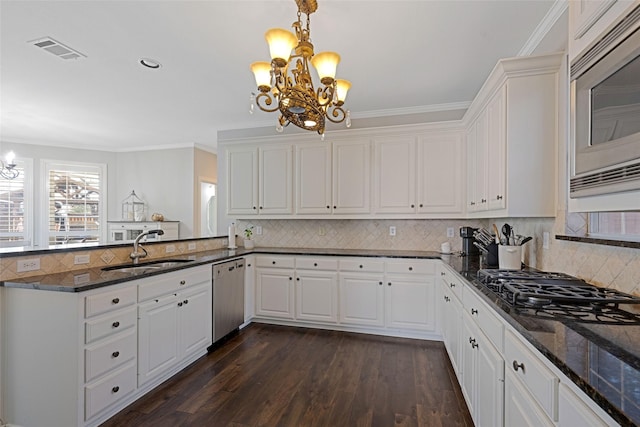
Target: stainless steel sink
(147, 267)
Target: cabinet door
(471, 144)
(157, 337)
(195, 317)
(394, 174)
(480, 163)
(520, 408)
(574, 411)
(317, 296)
(242, 178)
(351, 177)
(496, 150)
(468, 367)
(274, 293)
(276, 180)
(410, 302)
(452, 330)
(249, 287)
(490, 385)
(440, 173)
(313, 179)
(361, 299)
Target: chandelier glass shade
(8, 169)
(285, 83)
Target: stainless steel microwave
(605, 113)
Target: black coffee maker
(468, 248)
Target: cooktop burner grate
(531, 293)
(583, 314)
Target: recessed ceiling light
(150, 63)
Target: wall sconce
(8, 167)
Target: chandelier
(285, 83)
(8, 169)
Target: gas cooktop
(559, 296)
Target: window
(16, 220)
(615, 225)
(75, 203)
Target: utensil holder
(510, 257)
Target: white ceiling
(403, 57)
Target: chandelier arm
(264, 100)
(337, 113)
(325, 96)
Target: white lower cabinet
(482, 376)
(361, 299)
(519, 408)
(75, 357)
(249, 287)
(410, 295)
(317, 296)
(574, 411)
(274, 292)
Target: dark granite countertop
(602, 360)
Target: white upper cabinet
(395, 174)
(351, 176)
(242, 180)
(512, 140)
(276, 180)
(440, 173)
(260, 180)
(313, 178)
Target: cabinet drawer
(102, 358)
(275, 261)
(109, 390)
(369, 265)
(108, 301)
(102, 327)
(308, 263)
(411, 266)
(484, 317)
(534, 376)
(170, 282)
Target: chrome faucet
(135, 255)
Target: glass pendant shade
(326, 64)
(10, 157)
(342, 87)
(262, 72)
(281, 43)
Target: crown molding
(553, 14)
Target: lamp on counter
(285, 83)
(8, 167)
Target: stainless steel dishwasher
(228, 297)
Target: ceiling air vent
(57, 48)
(625, 178)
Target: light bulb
(279, 128)
(322, 137)
(10, 157)
(348, 121)
(252, 99)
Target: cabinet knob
(115, 300)
(290, 278)
(380, 283)
(254, 208)
(446, 298)
(182, 282)
(180, 304)
(115, 324)
(186, 301)
(334, 207)
(452, 285)
(273, 262)
(260, 207)
(389, 284)
(298, 279)
(115, 389)
(248, 265)
(360, 265)
(328, 207)
(498, 197)
(473, 342)
(472, 203)
(413, 206)
(410, 268)
(115, 354)
(517, 366)
(474, 311)
(442, 273)
(483, 201)
(421, 205)
(315, 264)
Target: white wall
(164, 179)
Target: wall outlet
(81, 259)
(392, 230)
(545, 240)
(258, 230)
(449, 231)
(321, 231)
(192, 246)
(170, 248)
(30, 264)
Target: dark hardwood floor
(282, 376)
